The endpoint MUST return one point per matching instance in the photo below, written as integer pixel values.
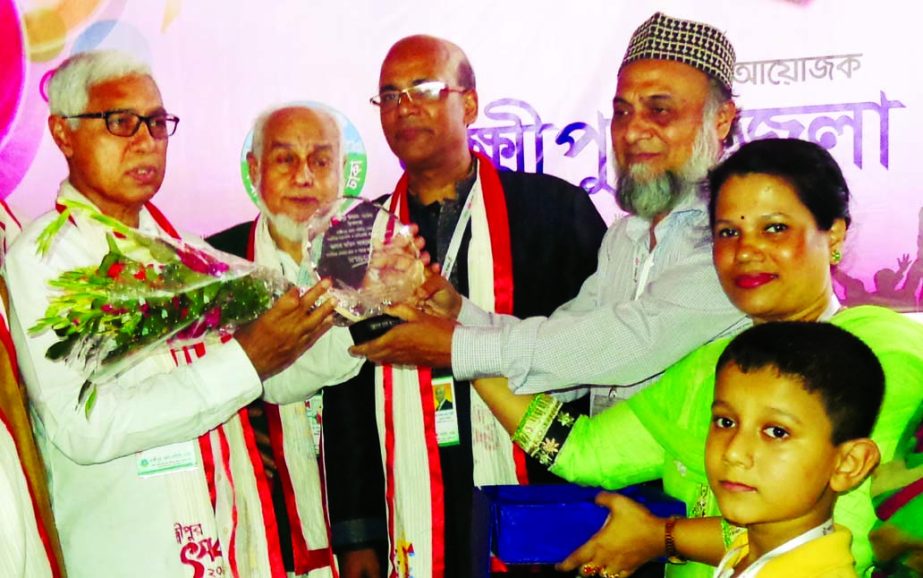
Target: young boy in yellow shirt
(794, 406)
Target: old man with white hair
(206, 511)
(296, 166)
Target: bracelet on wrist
(536, 422)
(669, 542)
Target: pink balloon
(13, 65)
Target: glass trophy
(371, 259)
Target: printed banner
(831, 71)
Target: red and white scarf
(405, 405)
(10, 228)
(294, 454)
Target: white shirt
(113, 522)
(639, 313)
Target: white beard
(646, 195)
(287, 227)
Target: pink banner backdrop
(832, 71)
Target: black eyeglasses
(126, 123)
(424, 92)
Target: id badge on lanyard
(444, 402)
(444, 385)
(314, 409)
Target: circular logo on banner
(355, 161)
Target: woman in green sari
(779, 214)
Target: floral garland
(146, 291)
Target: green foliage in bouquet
(124, 304)
(105, 315)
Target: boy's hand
(630, 537)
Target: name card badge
(446, 416)
(314, 408)
(170, 459)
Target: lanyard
(646, 267)
(725, 571)
(452, 252)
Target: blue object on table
(543, 524)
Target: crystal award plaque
(371, 259)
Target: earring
(836, 257)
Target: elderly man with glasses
(206, 511)
(513, 242)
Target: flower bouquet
(146, 291)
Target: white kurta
(114, 521)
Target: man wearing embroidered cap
(655, 295)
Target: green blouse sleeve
(676, 410)
(630, 442)
(611, 450)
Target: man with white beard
(655, 295)
(296, 166)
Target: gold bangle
(535, 423)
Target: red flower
(201, 262)
(115, 270)
(213, 317)
(194, 260)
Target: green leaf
(113, 246)
(60, 349)
(45, 238)
(90, 399)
